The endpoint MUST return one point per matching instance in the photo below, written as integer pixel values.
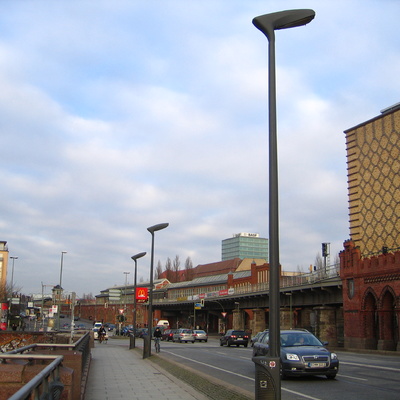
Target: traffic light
(325, 250)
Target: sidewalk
(119, 373)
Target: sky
(119, 115)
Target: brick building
(370, 261)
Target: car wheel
(206, 341)
(228, 344)
(331, 376)
(221, 344)
(193, 341)
(245, 345)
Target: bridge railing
(286, 282)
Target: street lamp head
(157, 227)
(269, 23)
(139, 255)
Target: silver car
(183, 335)
(200, 335)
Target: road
(361, 376)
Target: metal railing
(47, 381)
(46, 384)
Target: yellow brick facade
(373, 156)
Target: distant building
(245, 245)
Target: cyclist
(102, 334)
(157, 338)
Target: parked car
(167, 334)
(234, 337)
(200, 335)
(255, 338)
(301, 354)
(111, 327)
(183, 335)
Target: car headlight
(292, 357)
(334, 356)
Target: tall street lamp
(268, 24)
(12, 275)
(60, 289)
(135, 258)
(147, 343)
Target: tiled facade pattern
(373, 155)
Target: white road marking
(240, 375)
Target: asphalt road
(361, 376)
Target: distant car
(111, 327)
(183, 335)
(167, 334)
(234, 337)
(127, 330)
(302, 354)
(200, 335)
(255, 338)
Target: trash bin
(267, 378)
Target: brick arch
(370, 299)
(384, 300)
(387, 318)
(370, 322)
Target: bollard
(267, 378)
(146, 346)
(132, 343)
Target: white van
(163, 322)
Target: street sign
(197, 306)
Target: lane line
(240, 375)
(371, 366)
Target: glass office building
(245, 245)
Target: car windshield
(289, 339)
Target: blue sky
(118, 115)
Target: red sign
(142, 295)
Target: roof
(207, 280)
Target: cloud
(116, 118)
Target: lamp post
(147, 343)
(61, 269)
(126, 283)
(12, 275)
(135, 258)
(268, 24)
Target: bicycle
(157, 344)
(102, 337)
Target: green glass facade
(245, 245)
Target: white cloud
(119, 117)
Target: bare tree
(188, 269)
(157, 274)
(175, 268)
(168, 270)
